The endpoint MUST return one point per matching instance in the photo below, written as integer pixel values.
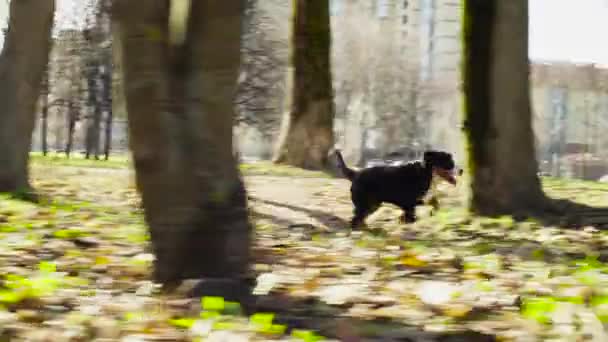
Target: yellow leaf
(102, 260)
(311, 284)
(412, 261)
(457, 311)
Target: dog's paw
(358, 226)
(403, 219)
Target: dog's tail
(346, 171)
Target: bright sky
(564, 30)
(569, 30)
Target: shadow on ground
(570, 214)
(326, 218)
(329, 321)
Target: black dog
(402, 185)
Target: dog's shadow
(329, 220)
(256, 215)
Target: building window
(335, 7)
(558, 104)
(405, 4)
(404, 19)
(382, 8)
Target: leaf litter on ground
(76, 267)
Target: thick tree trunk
(498, 122)
(307, 128)
(180, 108)
(22, 64)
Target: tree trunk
(44, 114)
(105, 71)
(72, 117)
(107, 105)
(23, 60)
(180, 108)
(307, 128)
(93, 122)
(498, 122)
(96, 125)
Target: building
(570, 107)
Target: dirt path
(305, 201)
(321, 202)
(295, 200)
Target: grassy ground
(78, 160)
(124, 162)
(77, 268)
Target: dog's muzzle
(448, 175)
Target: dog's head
(442, 164)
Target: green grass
(266, 168)
(587, 192)
(78, 160)
(123, 161)
(269, 169)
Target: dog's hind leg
(409, 214)
(434, 203)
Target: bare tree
(263, 69)
(23, 60)
(307, 127)
(179, 77)
(97, 49)
(66, 89)
(79, 94)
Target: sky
(560, 30)
(569, 30)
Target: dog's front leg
(434, 203)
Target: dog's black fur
(403, 185)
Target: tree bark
(107, 105)
(44, 114)
(93, 122)
(498, 122)
(180, 109)
(23, 60)
(307, 128)
(71, 123)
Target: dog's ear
(428, 156)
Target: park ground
(76, 267)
